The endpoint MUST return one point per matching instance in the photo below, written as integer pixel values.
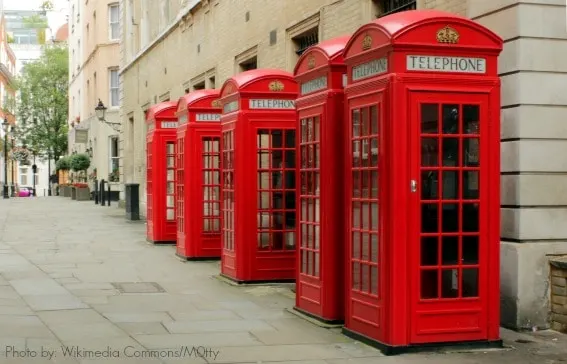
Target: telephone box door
(449, 192)
(366, 275)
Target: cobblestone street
(76, 276)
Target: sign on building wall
(81, 136)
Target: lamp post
(5, 127)
(13, 166)
(34, 172)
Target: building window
(23, 176)
(249, 64)
(386, 7)
(199, 86)
(36, 178)
(114, 158)
(114, 22)
(114, 88)
(306, 40)
(300, 37)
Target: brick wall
(559, 295)
(453, 6)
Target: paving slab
(143, 328)
(33, 287)
(204, 315)
(138, 317)
(86, 331)
(54, 302)
(237, 339)
(80, 316)
(190, 327)
(286, 353)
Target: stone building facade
(534, 144)
(94, 62)
(200, 43)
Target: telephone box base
(239, 282)
(316, 320)
(390, 350)
(197, 259)
(162, 242)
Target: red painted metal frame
(320, 234)
(161, 224)
(198, 175)
(398, 317)
(258, 239)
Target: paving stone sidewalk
(78, 277)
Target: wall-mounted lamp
(100, 111)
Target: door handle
(413, 185)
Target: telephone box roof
(162, 110)
(331, 49)
(247, 78)
(195, 96)
(397, 25)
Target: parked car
(25, 192)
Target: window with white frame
(114, 88)
(114, 159)
(114, 22)
(23, 176)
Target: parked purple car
(25, 192)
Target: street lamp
(13, 131)
(100, 111)
(5, 126)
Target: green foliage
(42, 110)
(63, 164)
(35, 22)
(79, 162)
(46, 5)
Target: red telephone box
(423, 167)
(198, 175)
(258, 176)
(160, 164)
(320, 73)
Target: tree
(42, 110)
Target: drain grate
(138, 287)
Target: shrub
(62, 164)
(80, 162)
(80, 185)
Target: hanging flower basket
(21, 155)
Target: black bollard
(132, 201)
(96, 192)
(108, 184)
(102, 202)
